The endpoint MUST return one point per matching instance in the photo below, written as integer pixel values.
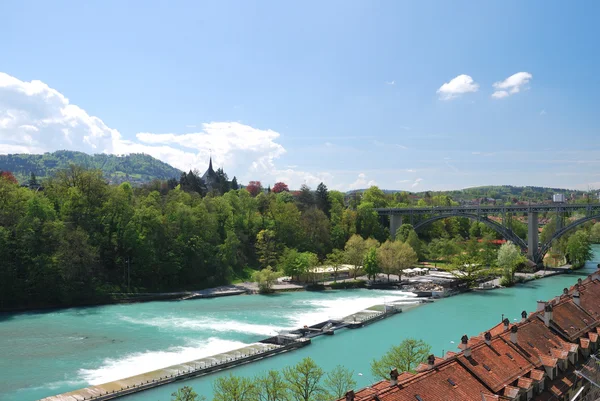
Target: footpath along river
(46, 353)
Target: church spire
(210, 167)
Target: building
(209, 177)
(543, 357)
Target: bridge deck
(560, 207)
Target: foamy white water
(142, 362)
(206, 325)
(324, 309)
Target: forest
(80, 239)
(134, 168)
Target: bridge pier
(532, 236)
(395, 223)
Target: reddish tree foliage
(280, 187)
(254, 187)
(8, 176)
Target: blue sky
(353, 93)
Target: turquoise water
(42, 354)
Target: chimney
(540, 306)
(464, 345)
(513, 335)
(506, 323)
(576, 298)
(488, 338)
(350, 395)
(394, 377)
(430, 361)
(547, 314)
(523, 316)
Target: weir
(200, 367)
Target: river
(46, 353)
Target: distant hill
(136, 168)
(504, 193)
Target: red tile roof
(525, 383)
(511, 392)
(536, 340)
(496, 365)
(448, 381)
(570, 320)
(537, 375)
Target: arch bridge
(420, 217)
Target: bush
(348, 284)
(315, 287)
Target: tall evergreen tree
(306, 199)
(322, 199)
(234, 184)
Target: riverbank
(59, 351)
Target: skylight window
(452, 382)
(487, 367)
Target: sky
(406, 95)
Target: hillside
(505, 193)
(136, 168)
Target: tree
(338, 382)
(416, 244)
(595, 234)
(234, 184)
(355, 252)
(335, 260)
(509, 258)
(254, 187)
(8, 176)
(265, 279)
(186, 393)
(33, 183)
(234, 388)
(192, 182)
(322, 199)
(467, 268)
(375, 196)
(280, 187)
(403, 232)
(304, 381)
(405, 357)
(271, 387)
(305, 198)
(222, 182)
(395, 256)
(267, 248)
(371, 264)
(579, 249)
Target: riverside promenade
(284, 342)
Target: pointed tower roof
(210, 167)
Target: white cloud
(416, 183)
(500, 94)
(35, 118)
(543, 112)
(390, 83)
(362, 182)
(511, 85)
(457, 86)
(411, 170)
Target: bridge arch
(559, 233)
(499, 228)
